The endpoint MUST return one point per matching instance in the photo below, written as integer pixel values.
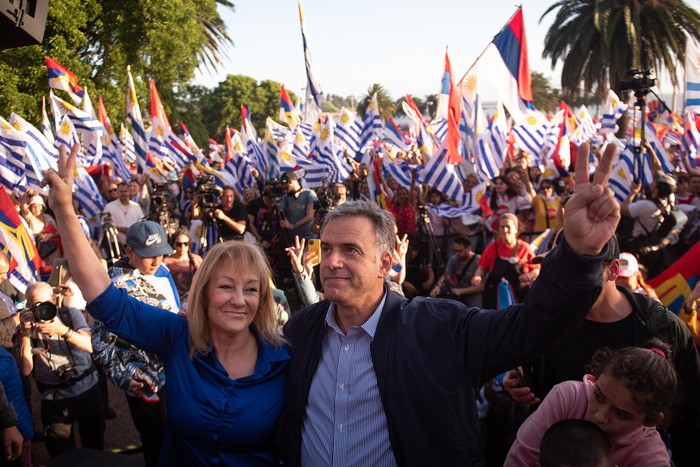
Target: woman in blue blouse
(224, 363)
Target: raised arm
(86, 268)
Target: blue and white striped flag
(441, 175)
(313, 89)
(530, 134)
(492, 145)
(613, 110)
(300, 149)
(128, 145)
(692, 76)
(439, 129)
(133, 116)
(372, 128)
(12, 149)
(66, 134)
(40, 155)
(586, 127)
(399, 169)
(348, 130)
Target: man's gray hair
(383, 221)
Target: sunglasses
(112, 189)
(182, 243)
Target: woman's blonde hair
(236, 254)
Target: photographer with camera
(296, 209)
(657, 220)
(231, 216)
(55, 347)
(456, 282)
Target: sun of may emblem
(285, 156)
(532, 120)
(65, 128)
(325, 134)
(299, 137)
(372, 105)
(345, 118)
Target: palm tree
(387, 106)
(545, 96)
(215, 36)
(599, 40)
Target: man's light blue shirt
(345, 423)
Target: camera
(423, 212)
(160, 196)
(44, 311)
(276, 190)
(208, 193)
(106, 218)
(66, 373)
(326, 199)
(638, 80)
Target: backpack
(671, 220)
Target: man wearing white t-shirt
(124, 211)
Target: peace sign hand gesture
(592, 214)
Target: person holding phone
(225, 365)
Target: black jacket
(431, 356)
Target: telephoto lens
(44, 311)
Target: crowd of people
(314, 327)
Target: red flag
(157, 109)
(228, 146)
(454, 115)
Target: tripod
(209, 233)
(425, 228)
(109, 241)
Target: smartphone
(314, 251)
(146, 393)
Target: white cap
(628, 265)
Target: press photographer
(163, 209)
(55, 347)
(296, 209)
(231, 216)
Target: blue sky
(399, 44)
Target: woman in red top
(404, 211)
(506, 257)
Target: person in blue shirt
(225, 365)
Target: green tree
(387, 107)
(215, 35)
(96, 40)
(598, 40)
(546, 98)
(221, 107)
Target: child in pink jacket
(626, 395)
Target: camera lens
(45, 311)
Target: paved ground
(120, 434)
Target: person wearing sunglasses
(54, 348)
(548, 207)
(182, 264)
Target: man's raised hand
(591, 214)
